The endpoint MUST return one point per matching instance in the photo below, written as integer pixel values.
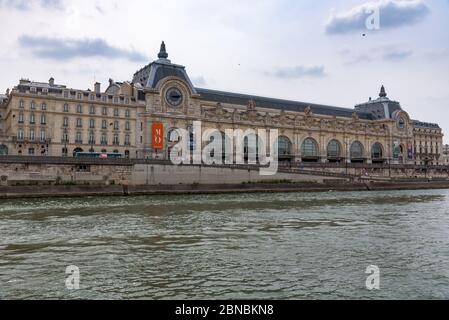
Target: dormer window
(401, 123)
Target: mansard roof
(280, 104)
(150, 75)
(425, 125)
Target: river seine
(244, 246)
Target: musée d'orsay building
(48, 119)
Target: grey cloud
(393, 14)
(25, 5)
(397, 55)
(66, 49)
(297, 72)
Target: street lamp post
(346, 157)
(65, 142)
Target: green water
(264, 246)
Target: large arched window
(377, 151)
(284, 148)
(356, 151)
(251, 147)
(225, 144)
(334, 149)
(309, 148)
(173, 135)
(3, 150)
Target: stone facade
(52, 120)
(446, 154)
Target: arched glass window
(309, 148)
(284, 146)
(377, 151)
(334, 149)
(173, 135)
(250, 147)
(356, 150)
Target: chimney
(51, 82)
(97, 87)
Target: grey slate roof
(425, 125)
(150, 75)
(377, 108)
(280, 104)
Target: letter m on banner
(158, 136)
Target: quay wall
(36, 177)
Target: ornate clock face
(174, 96)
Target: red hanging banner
(158, 136)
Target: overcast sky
(314, 51)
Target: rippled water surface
(278, 246)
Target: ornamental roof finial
(382, 93)
(163, 52)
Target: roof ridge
(276, 99)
